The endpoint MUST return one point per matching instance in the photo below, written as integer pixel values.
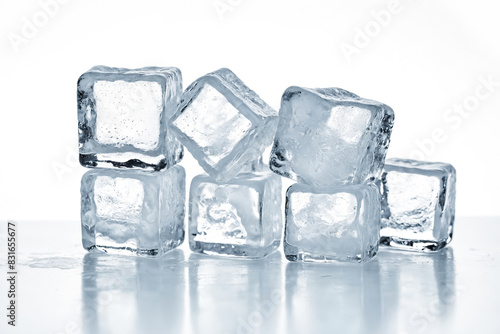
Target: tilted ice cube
(418, 204)
(242, 217)
(223, 123)
(123, 116)
(136, 212)
(330, 136)
(339, 223)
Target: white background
(426, 59)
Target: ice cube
(224, 124)
(339, 223)
(330, 136)
(241, 217)
(418, 204)
(123, 116)
(124, 211)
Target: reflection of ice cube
(332, 224)
(133, 212)
(330, 136)
(418, 204)
(122, 117)
(241, 217)
(223, 124)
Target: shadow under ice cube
(133, 212)
(418, 204)
(330, 136)
(123, 116)
(339, 223)
(224, 124)
(241, 217)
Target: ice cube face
(224, 124)
(418, 204)
(239, 218)
(330, 136)
(334, 224)
(133, 212)
(123, 116)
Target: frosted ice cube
(241, 217)
(418, 204)
(125, 211)
(330, 136)
(339, 223)
(223, 123)
(123, 115)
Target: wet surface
(63, 289)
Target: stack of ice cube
(347, 201)
(345, 204)
(130, 203)
(334, 144)
(234, 209)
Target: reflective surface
(63, 289)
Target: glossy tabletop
(63, 289)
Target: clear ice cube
(330, 136)
(241, 217)
(123, 116)
(133, 212)
(339, 223)
(224, 124)
(418, 204)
